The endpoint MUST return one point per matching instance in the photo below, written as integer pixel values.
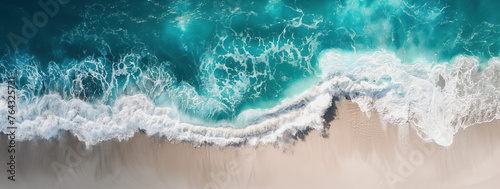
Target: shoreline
(354, 152)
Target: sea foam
(436, 99)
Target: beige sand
(358, 153)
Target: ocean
(246, 72)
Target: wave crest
(438, 99)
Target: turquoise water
(213, 62)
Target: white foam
(95, 123)
(411, 93)
(377, 82)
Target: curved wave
(438, 100)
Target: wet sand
(355, 152)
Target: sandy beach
(355, 152)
